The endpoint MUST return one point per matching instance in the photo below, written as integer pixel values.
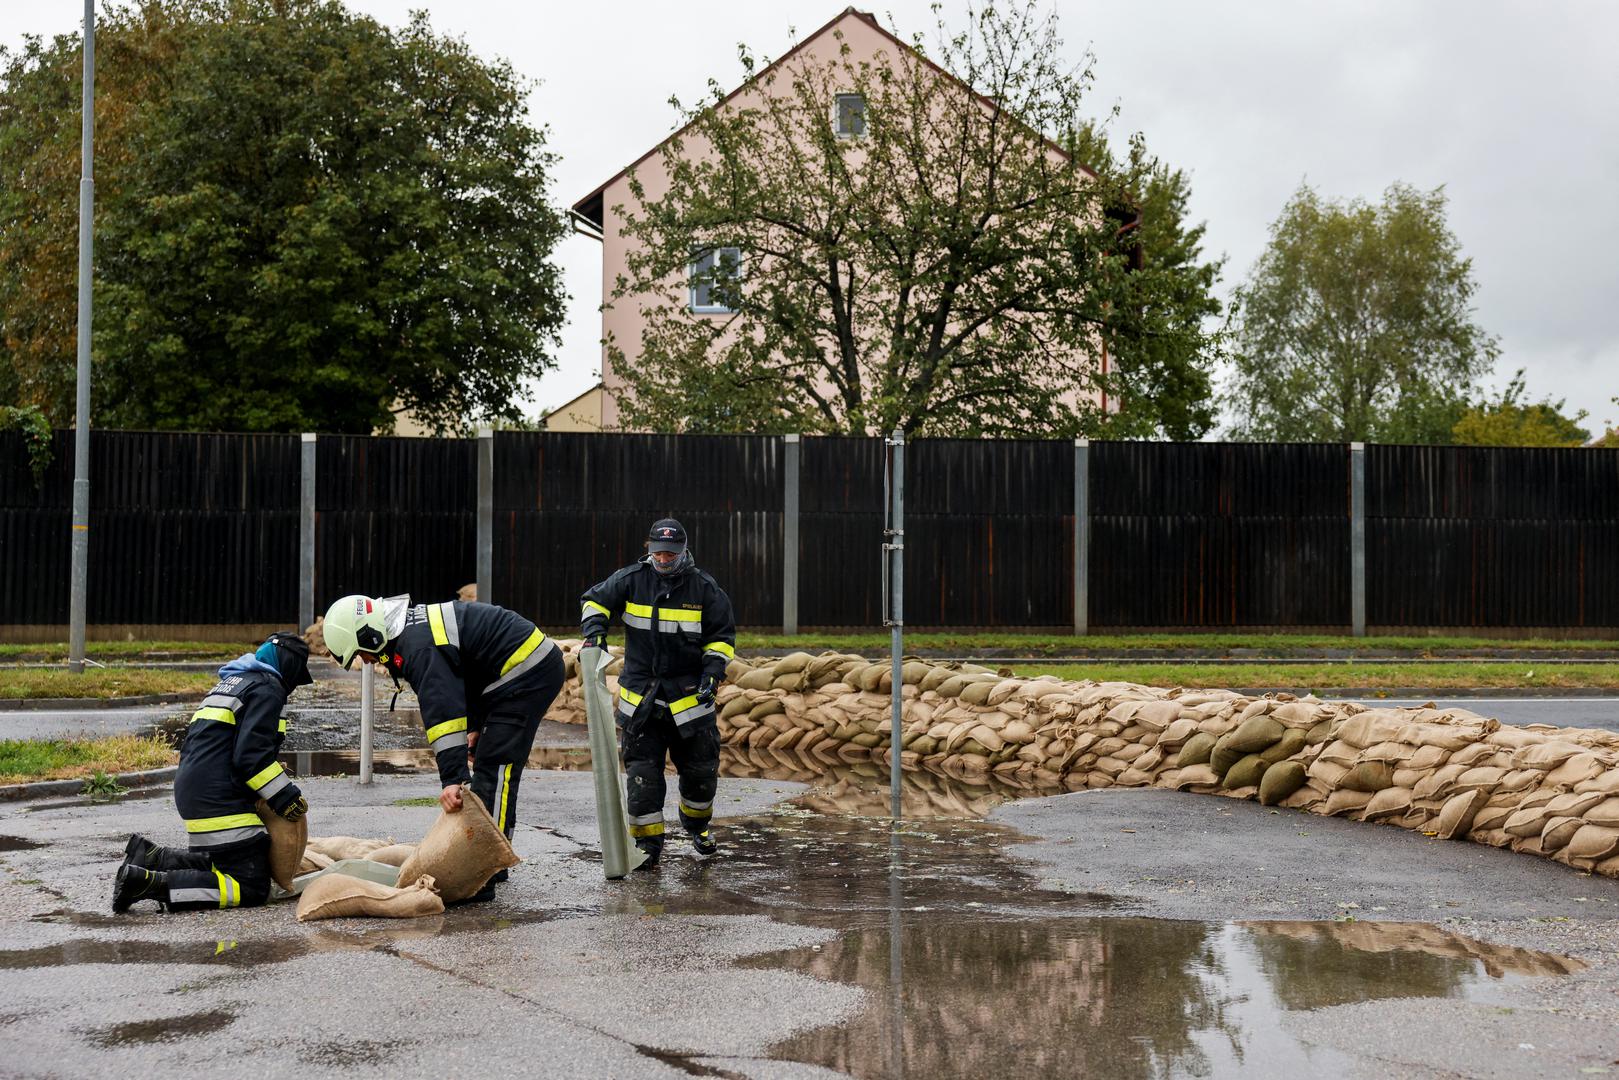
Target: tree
(1356, 324)
(947, 265)
(305, 221)
(1507, 421)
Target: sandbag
(1369, 776)
(461, 851)
(287, 842)
(338, 848)
(338, 896)
(1456, 816)
(1255, 734)
(393, 854)
(1281, 780)
(1197, 749)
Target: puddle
(167, 1029)
(17, 843)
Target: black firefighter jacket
(677, 628)
(228, 757)
(460, 658)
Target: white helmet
(353, 624)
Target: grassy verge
(1034, 644)
(23, 760)
(54, 652)
(99, 683)
(1459, 675)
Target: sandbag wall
(1449, 773)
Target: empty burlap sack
(312, 861)
(287, 840)
(338, 848)
(393, 854)
(337, 896)
(461, 851)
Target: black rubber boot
(138, 883)
(652, 847)
(703, 845)
(139, 850)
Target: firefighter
(227, 763)
(679, 634)
(483, 677)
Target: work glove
(595, 641)
(290, 803)
(707, 687)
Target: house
(854, 36)
(582, 413)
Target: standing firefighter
(227, 763)
(679, 635)
(483, 677)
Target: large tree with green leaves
(947, 264)
(1356, 324)
(1509, 420)
(304, 220)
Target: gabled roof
(590, 207)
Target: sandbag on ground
(338, 896)
(393, 854)
(346, 847)
(461, 851)
(287, 842)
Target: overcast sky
(1513, 107)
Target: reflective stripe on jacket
(228, 759)
(676, 629)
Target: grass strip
(1032, 644)
(53, 652)
(1457, 675)
(102, 683)
(24, 760)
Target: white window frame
(837, 116)
(692, 270)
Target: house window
(716, 276)
(849, 116)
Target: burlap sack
(287, 840)
(312, 861)
(461, 851)
(393, 854)
(337, 896)
(338, 848)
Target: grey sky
(1514, 107)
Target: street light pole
(81, 432)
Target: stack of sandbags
(1451, 773)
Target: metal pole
(1357, 538)
(1082, 537)
(486, 514)
(79, 586)
(896, 608)
(789, 537)
(306, 532)
(368, 714)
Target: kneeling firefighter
(483, 677)
(227, 763)
(679, 634)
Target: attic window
(849, 116)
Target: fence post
(486, 514)
(306, 532)
(789, 537)
(1357, 538)
(1082, 537)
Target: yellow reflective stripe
(281, 725)
(647, 830)
(435, 619)
(720, 647)
(224, 890)
(680, 615)
(449, 726)
(265, 775)
(683, 704)
(629, 695)
(224, 716)
(643, 610)
(229, 821)
(591, 605)
(523, 650)
(691, 813)
(505, 796)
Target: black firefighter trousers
(646, 738)
(506, 732)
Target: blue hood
(245, 663)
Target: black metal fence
(193, 528)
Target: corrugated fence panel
(1486, 536)
(570, 508)
(1212, 534)
(840, 527)
(395, 515)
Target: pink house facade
(622, 322)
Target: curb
(24, 704)
(39, 789)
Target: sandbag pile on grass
(1450, 773)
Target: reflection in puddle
(167, 1029)
(17, 843)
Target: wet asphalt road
(1100, 933)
